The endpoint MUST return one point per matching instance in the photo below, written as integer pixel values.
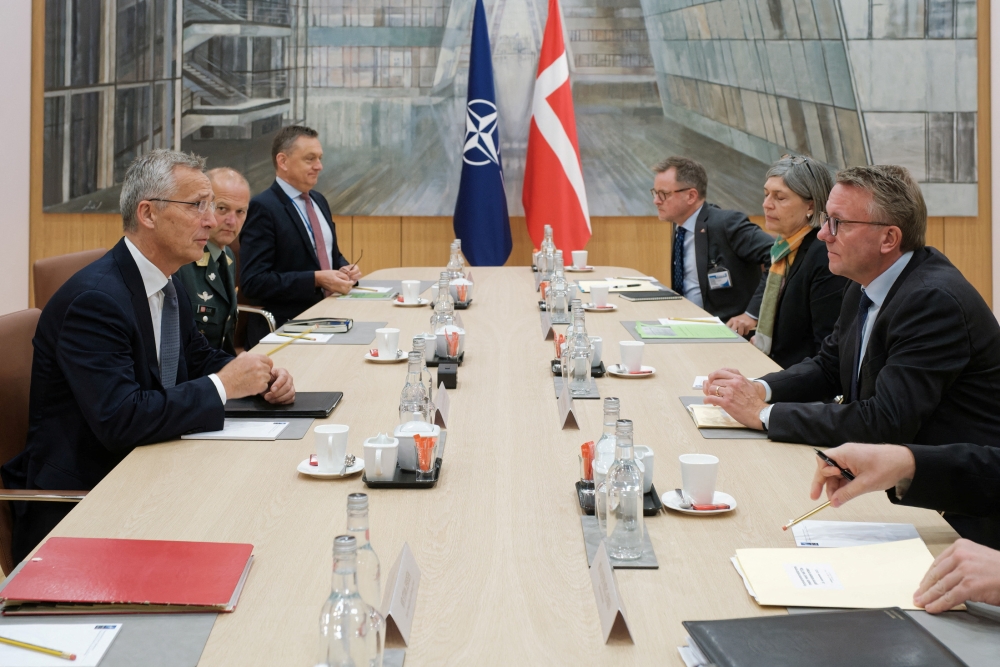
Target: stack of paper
(682, 329)
(240, 429)
(370, 293)
(87, 641)
(867, 577)
(305, 340)
(712, 416)
(615, 285)
(827, 534)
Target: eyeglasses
(663, 194)
(835, 223)
(796, 159)
(203, 206)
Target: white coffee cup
(698, 475)
(407, 449)
(631, 351)
(599, 294)
(644, 455)
(331, 447)
(579, 259)
(381, 453)
(598, 344)
(387, 342)
(411, 291)
(430, 346)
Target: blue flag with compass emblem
(481, 219)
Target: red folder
(91, 575)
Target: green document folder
(685, 330)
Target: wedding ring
(718, 391)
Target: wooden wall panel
(964, 243)
(523, 247)
(642, 243)
(935, 233)
(426, 241)
(379, 237)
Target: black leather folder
(316, 404)
(882, 637)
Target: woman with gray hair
(800, 303)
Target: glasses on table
(661, 195)
(203, 206)
(834, 223)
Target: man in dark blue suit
(289, 257)
(118, 361)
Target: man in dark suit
(210, 282)
(963, 478)
(915, 353)
(718, 256)
(118, 362)
(289, 257)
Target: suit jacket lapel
(140, 304)
(701, 250)
(213, 276)
(296, 221)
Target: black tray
(462, 306)
(404, 479)
(651, 504)
(595, 371)
(436, 361)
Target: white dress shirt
(300, 206)
(154, 281)
(876, 290)
(692, 287)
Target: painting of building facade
(733, 83)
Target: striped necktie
(170, 337)
(677, 261)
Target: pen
(695, 320)
(37, 648)
(364, 289)
(293, 339)
(845, 473)
(631, 278)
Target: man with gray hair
(118, 362)
(915, 354)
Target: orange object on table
(587, 452)
(453, 340)
(559, 339)
(463, 292)
(543, 287)
(425, 452)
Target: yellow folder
(868, 577)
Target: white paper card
(400, 598)
(691, 320)
(443, 404)
(237, 429)
(699, 381)
(746, 582)
(813, 576)
(811, 533)
(566, 416)
(89, 642)
(692, 655)
(548, 333)
(371, 289)
(310, 339)
(609, 605)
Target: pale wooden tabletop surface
(504, 575)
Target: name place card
(400, 597)
(443, 403)
(566, 416)
(609, 605)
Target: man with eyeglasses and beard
(915, 354)
(718, 256)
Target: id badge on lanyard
(718, 277)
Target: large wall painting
(732, 83)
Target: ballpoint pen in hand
(844, 472)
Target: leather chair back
(51, 272)
(16, 332)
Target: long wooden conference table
(504, 576)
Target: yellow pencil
(805, 516)
(39, 649)
(291, 340)
(364, 289)
(691, 319)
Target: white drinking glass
(698, 475)
(631, 351)
(599, 294)
(387, 342)
(331, 447)
(579, 259)
(411, 291)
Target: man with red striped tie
(289, 258)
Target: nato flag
(481, 219)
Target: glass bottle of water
(420, 345)
(444, 306)
(546, 255)
(604, 454)
(557, 297)
(454, 268)
(369, 569)
(413, 399)
(580, 353)
(460, 257)
(624, 482)
(352, 632)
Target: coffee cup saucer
(314, 471)
(591, 308)
(400, 356)
(579, 269)
(672, 501)
(619, 371)
(413, 304)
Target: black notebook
(886, 637)
(656, 295)
(316, 404)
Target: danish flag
(553, 190)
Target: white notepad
(241, 429)
(313, 339)
(89, 641)
(826, 534)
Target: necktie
(677, 261)
(863, 307)
(170, 337)
(321, 253)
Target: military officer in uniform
(211, 281)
